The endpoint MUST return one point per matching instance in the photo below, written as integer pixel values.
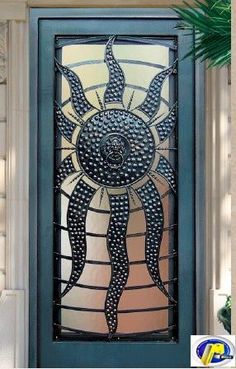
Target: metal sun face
(115, 148)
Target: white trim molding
(218, 196)
(17, 198)
(12, 329)
(17, 157)
(3, 51)
(13, 9)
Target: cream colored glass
(139, 75)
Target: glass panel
(115, 268)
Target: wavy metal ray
(165, 170)
(116, 84)
(65, 169)
(78, 99)
(65, 125)
(151, 103)
(117, 249)
(166, 127)
(76, 217)
(154, 215)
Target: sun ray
(99, 100)
(153, 210)
(154, 120)
(165, 170)
(79, 176)
(116, 84)
(167, 193)
(166, 127)
(76, 220)
(130, 100)
(66, 169)
(154, 175)
(117, 249)
(101, 196)
(78, 119)
(152, 101)
(65, 148)
(159, 148)
(130, 192)
(78, 99)
(65, 125)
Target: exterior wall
(218, 193)
(14, 199)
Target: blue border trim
(33, 193)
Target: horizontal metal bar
(122, 61)
(151, 285)
(100, 262)
(64, 281)
(64, 193)
(169, 256)
(125, 311)
(141, 11)
(120, 40)
(65, 148)
(168, 192)
(91, 234)
(103, 211)
(102, 85)
(117, 334)
(136, 235)
(75, 308)
(60, 226)
(58, 255)
(171, 227)
(104, 288)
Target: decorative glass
(115, 269)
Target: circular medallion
(115, 148)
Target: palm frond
(224, 315)
(211, 22)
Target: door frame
(199, 184)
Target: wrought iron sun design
(115, 148)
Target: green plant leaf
(211, 22)
(224, 315)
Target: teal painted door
(112, 189)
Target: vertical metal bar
(200, 200)
(57, 204)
